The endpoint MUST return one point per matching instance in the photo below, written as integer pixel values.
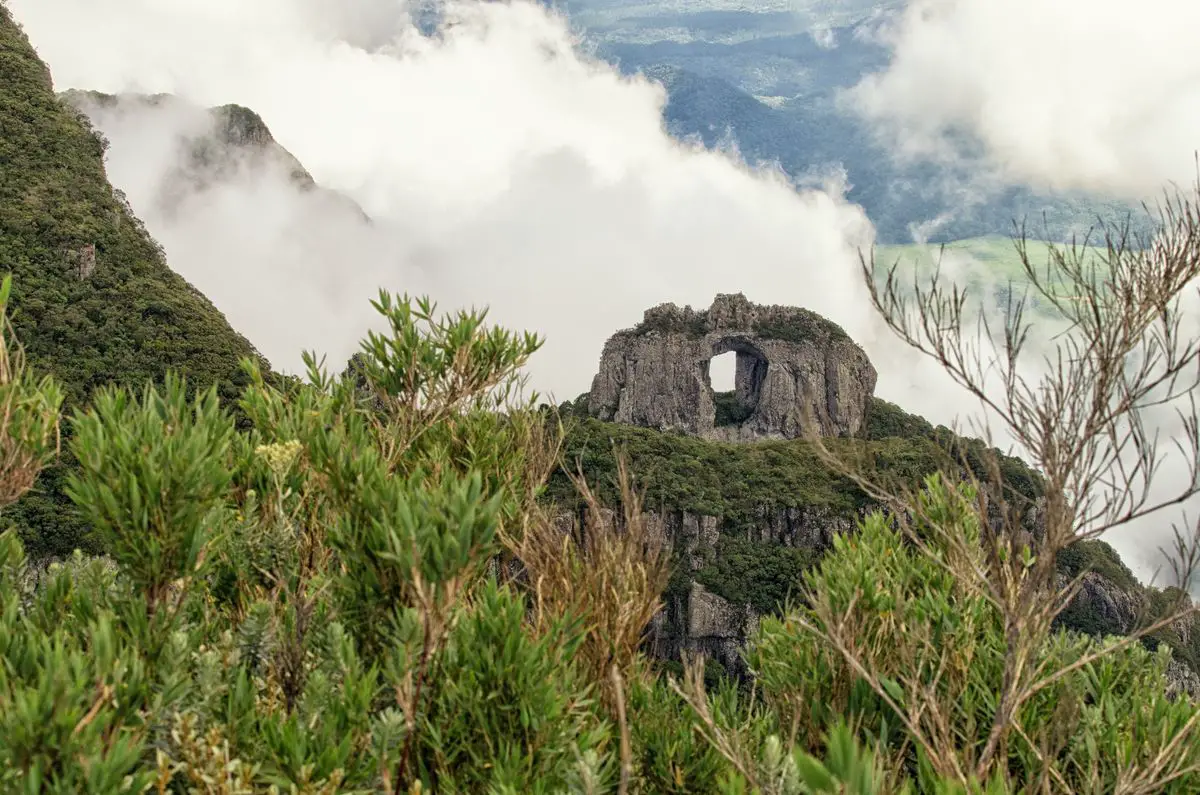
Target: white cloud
(1093, 94)
(503, 167)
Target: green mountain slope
(772, 505)
(132, 315)
(94, 300)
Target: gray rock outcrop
(1112, 610)
(708, 624)
(795, 369)
(700, 621)
(1182, 681)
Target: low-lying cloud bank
(1099, 95)
(502, 166)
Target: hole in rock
(721, 372)
(735, 374)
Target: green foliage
(131, 320)
(674, 756)
(932, 640)
(287, 601)
(152, 475)
(29, 413)
(800, 325)
(1178, 636)
(744, 485)
(739, 483)
(693, 324)
(849, 768)
(886, 420)
(512, 712)
(730, 410)
(762, 575)
(734, 482)
(70, 686)
(412, 362)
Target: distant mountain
(770, 80)
(721, 19)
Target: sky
(504, 167)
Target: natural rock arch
(792, 364)
(750, 373)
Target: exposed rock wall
(1112, 610)
(698, 620)
(793, 368)
(1182, 681)
(701, 622)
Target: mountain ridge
(93, 301)
(212, 145)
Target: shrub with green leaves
(893, 641)
(154, 478)
(331, 600)
(304, 605)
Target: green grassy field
(995, 253)
(989, 264)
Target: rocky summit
(796, 372)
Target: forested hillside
(773, 506)
(94, 301)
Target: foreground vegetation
(362, 593)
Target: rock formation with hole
(793, 367)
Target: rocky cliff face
(1110, 609)
(1182, 682)
(703, 623)
(795, 370)
(695, 618)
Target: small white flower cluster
(280, 456)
